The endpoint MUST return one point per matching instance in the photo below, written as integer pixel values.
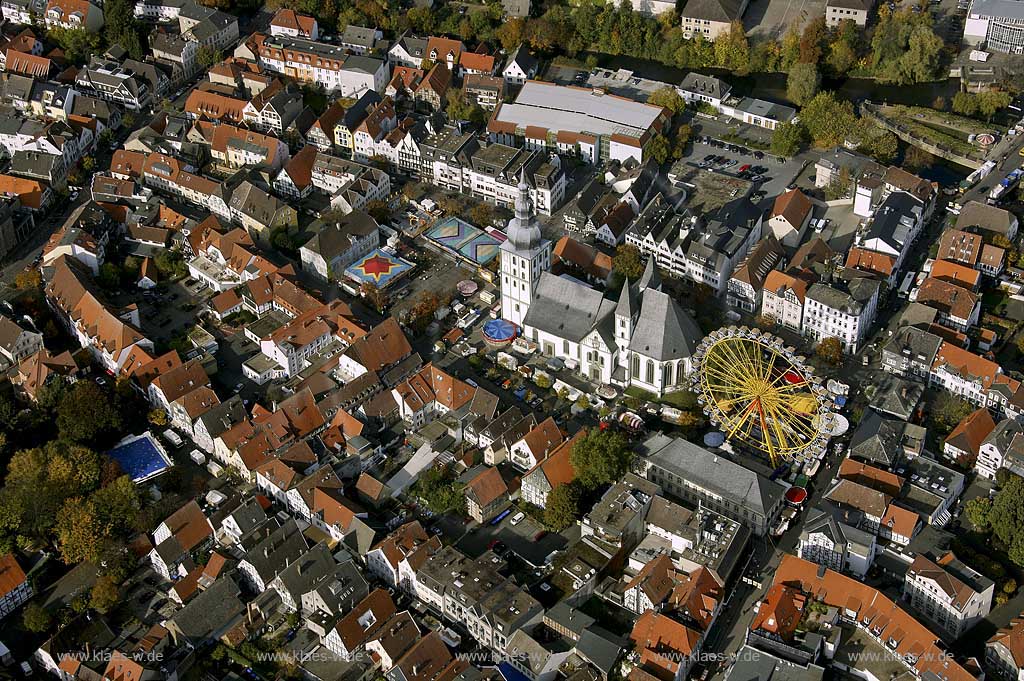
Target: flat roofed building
(999, 24)
(595, 125)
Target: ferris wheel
(762, 394)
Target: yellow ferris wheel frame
(747, 388)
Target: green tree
(460, 107)
(120, 27)
(732, 50)
(842, 52)
(28, 280)
(36, 619)
(788, 138)
(374, 296)
(562, 507)
(38, 482)
(170, 264)
(830, 350)
(828, 120)
(77, 43)
(79, 534)
(628, 262)
(157, 417)
(85, 414)
(600, 457)
(813, 41)
(947, 411)
(965, 104)
(439, 491)
(802, 83)
(509, 34)
(482, 214)
(977, 511)
(879, 144)
(905, 48)
(207, 56)
(667, 97)
(1006, 517)
(542, 381)
(991, 101)
(105, 594)
(116, 505)
(682, 138)
(109, 276)
(919, 63)
(659, 148)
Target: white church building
(645, 339)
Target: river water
(772, 86)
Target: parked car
(517, 518)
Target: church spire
(524, 229)
(524, 206)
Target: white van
(172, 437)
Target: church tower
(525, 255)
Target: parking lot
(435, 273)
(526, 539)
(768, 175)
(165, 314)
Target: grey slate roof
(726, 231)
(850, 301)
(896, 396)
(248, 515)
(713, 473)
(664, 331)
(336, 239)
(922, 345)
(566, 308)
(572, 619)
(359, 35)
(272, 555)
(839, 524)
(894, 219)
(723, 11)
(650, 278)
(627, 304)
(1002, 435)
(343, 587)
(756, 665)
(1010, 9)
(982, 215)
(306, 571)
(224, 416)
(211, 612)
(524, 59)
(708, 86)
(878, 438)
(600, 648)
(516, 8)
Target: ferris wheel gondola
(761, 394)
